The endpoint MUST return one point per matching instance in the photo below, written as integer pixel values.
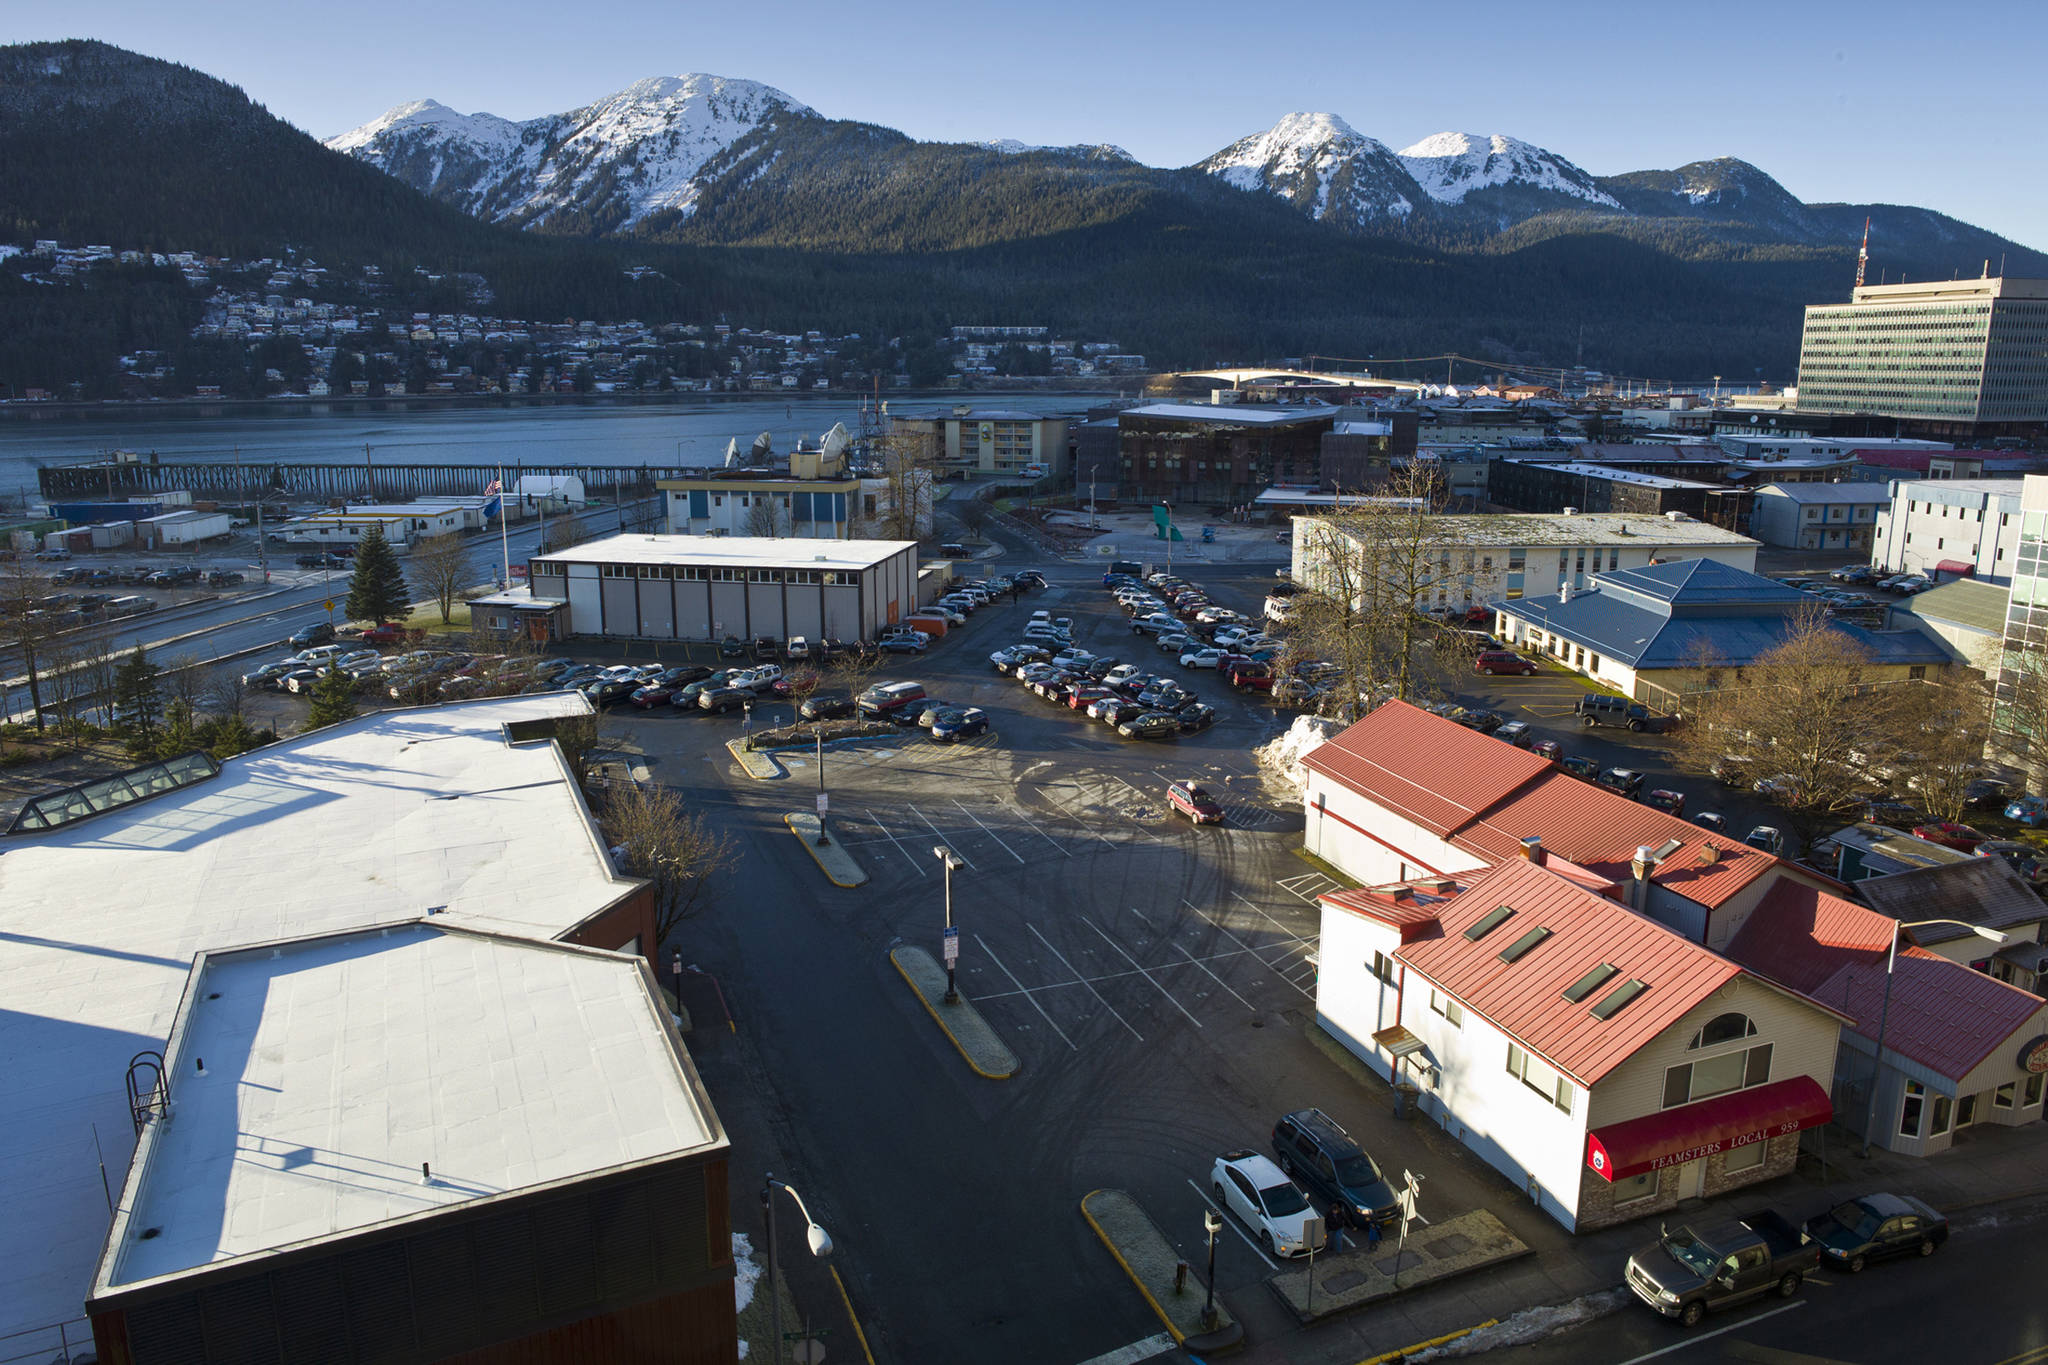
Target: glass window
(1909, 1113)
(1745, 1158)
(1942, 1105)
(2005, 1095)
(1722, 1028)
(2032, 1094)
(1631, 1188)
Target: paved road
(1975, 1303)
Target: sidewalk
(1992, 1165)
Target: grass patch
(1327, 869)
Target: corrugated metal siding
(1525, 999)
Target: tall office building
(1956, 358)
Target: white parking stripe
(941, 836)
(1142, 972)
(1079, 821)
(1283, 928)
(899, 848)
(1230, 1221)
(1213, 977)
(1158, 1344)
(1080, 980)
(990, 954)
(991, 833)
(1043, 835)
(1294, 941)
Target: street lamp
(1212, 1223)
(747, 722)
(950, 860)
(821, 1245)
(1884, 1010)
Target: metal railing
(59, 1343)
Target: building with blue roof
(1659, 628)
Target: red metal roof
(1721, 1124)
(1410, 913)
(1436, 773)
(1525, 999)
(1486, 797)
(1943, 1015)
(1601, 830)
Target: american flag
(492, 487)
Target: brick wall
(1596, 1197)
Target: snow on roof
(1601, 471)
(367, 822)
(765, 552)
(1831, 492)
(1581, 528)
(336, 1066)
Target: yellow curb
(946, 1028)
(1179, 1339)
(780, 772)
(816, 859)
(859, 1335)
(1384, 1357)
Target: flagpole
(504, 527)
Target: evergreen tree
(138, 701)
(334, 699)
(179, 735)
(228, 735)
(376, 591)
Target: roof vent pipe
(1532, 849)
(1644, 864)
(1571, 511)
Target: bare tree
(440, 569)
(24, 624)
(768, 515)
(973, 513)
(2019, 724)
(580, 740)
(910, 462)
(1939, 728)
(1806, 717)
(676, 850)
(222, 695)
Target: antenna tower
(1863, 254)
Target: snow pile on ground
(1531, 1324)
(746, 1273)
(1283, 756)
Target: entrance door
(1966, 1111)
(1692, 1179)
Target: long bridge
(1287, 376)
(357, 481)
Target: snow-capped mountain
(1451, 166)
(1099, 151)
(610, 166)
(1323, 166)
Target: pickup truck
(1685, 1274)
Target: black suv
(1322, 1156)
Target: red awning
(1955, 566)
(1721, 1124)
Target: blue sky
(1941, 106)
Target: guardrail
(59, 1343)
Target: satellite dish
(764, 446)
(732, 453)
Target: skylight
(1590, 982)
(1618, 1000)
(1519, 949)
(90, 798)
(1490, 921)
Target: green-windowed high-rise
(1961, 358)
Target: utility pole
(369, 475)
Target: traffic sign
(329, 604)
(952, 946)
(824, 804)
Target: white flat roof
(1580, 528)
(1601, 471)
(367, 822)
(336, 1066)
(754, 552)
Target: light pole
(1212, 1223)
(950, 860)
(821, 1245)
(1885, 1009)
(747, 722)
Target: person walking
(1339, 1218)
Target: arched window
(1722, 1028)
